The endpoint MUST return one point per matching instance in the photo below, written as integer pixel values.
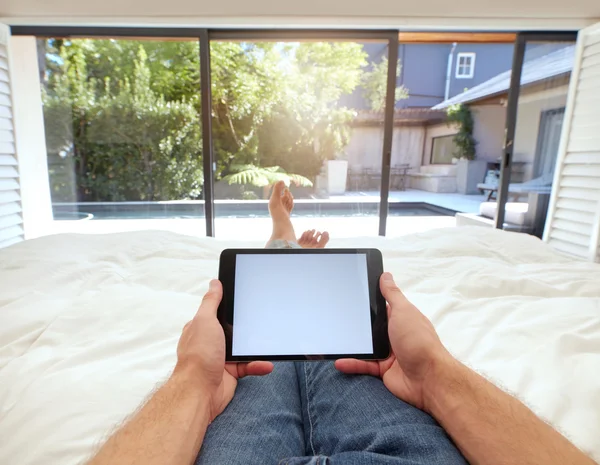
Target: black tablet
(303, 304)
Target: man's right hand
(417, 351)
(488, 426)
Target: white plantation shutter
(573, 224)
(11, 221)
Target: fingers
(253, 369)
(211, 300)
(351, 366)
(390, 291)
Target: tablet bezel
(379, 327)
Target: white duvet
(89, 325)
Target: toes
(289, 196)
(278, 189)
(316, 238)
(323, 240)
(302, 239)
(288, 200)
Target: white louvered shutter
(573, 223)
(11, 221)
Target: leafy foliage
(375, 85)
(124, 140)
(122, 116)
(262, 177)
(464, 141)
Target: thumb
(212, 299)
(391, 291)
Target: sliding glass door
(536, 108)
(148, 130)
(308, 111)
(188, 130)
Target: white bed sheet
(89, 326)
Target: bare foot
(313, 239)
(281, 204)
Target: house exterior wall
(490, 60)
(407, 145)
(366, 147)
(489, 124)
(431, 132)
(423, 73)
(424, 66)
(527, 129)
(488, 131)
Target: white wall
(366, 146)
(433, 14)
(30, 137)
(528, 124)
(488, 131)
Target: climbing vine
(463, 139)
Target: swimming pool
(226, 209)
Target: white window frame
(471, 73)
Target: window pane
(443, 150)
(123, 134)
(308, 113)
(540, 114)
(439, 103)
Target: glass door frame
(204, 36)
(389, 36)
(512, 108)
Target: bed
(89, 325)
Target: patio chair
(398, 174)
(541, 185)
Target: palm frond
(264, 176)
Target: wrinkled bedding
(89, 326)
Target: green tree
(309, 126)
(125, 141)
(123, 114)
(375, 85)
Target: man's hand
(170, 427)
(416, 349)
(201, 355)
(488, 426)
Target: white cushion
(515, 213)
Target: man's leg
(356, 420)
(281, 204)
(264, 421)
(262, 424)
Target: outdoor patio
(400, 221)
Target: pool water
(86, 212)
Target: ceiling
(463, 14)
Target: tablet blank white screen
(309, 304)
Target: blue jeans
(309, 413)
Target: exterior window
(465, 65)
(442, 150)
